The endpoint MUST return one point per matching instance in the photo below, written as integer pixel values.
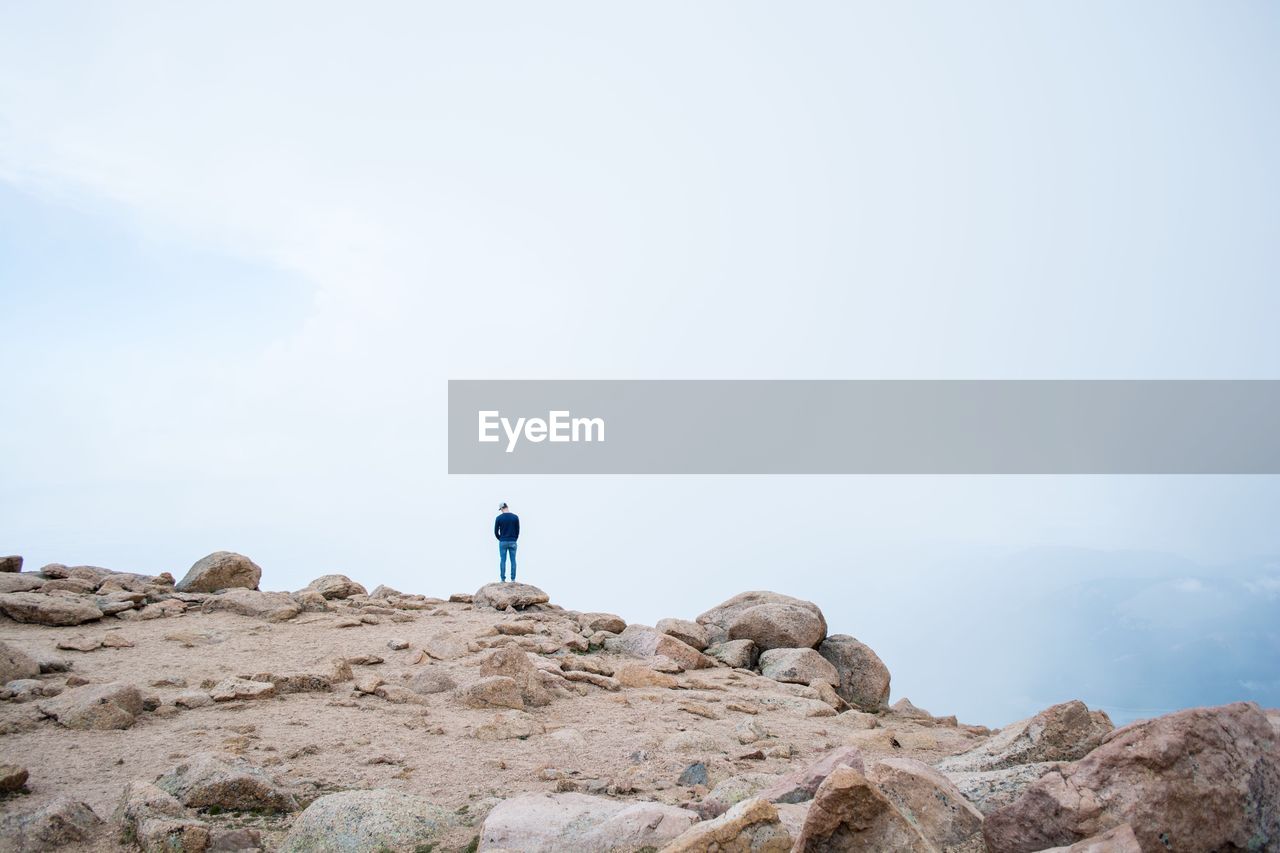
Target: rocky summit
(209, 714)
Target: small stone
(13, 778)
(694, 774)
(241, 688)
(397, 644)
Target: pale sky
(243, 247)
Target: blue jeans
(505, 548)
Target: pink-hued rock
(220, 570)
(849, 813)
(1200, 779)
(644, 642)
(780, 626)
(927, 799)
(1118, 840)
(718, 619)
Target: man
(507, 528)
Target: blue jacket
(507, 527)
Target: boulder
(431, 679)
(797, 666)
(685, 630)
(42, 609)
(58, 824)
(497, 691)
(1200, 779)
(221, 570)
(1062, 732)
(989, 790)
(79, 586)
(554, 823)
(310, 601)
(509, 725)
(927, 799)
(740, 654)
(779, 626)
(21, 583)
(154, 820)
(336, 586)
(1118, 840)
(751, 826)
(295, 682)
(359, 821)
(864, 679)
(384, 591)
(799, 785)
(15, 663)
(444, 645)
(115, 705)
(594, 622)
(513, 662)
(639, 675)
(269, 606)
(717, 619)
(13, 778)
(500, 596)
(12, 563)
(850, 813)
(644, 642)
(208, 781)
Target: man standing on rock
(507, 528)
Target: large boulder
(58, 824)
(208, 781)
(12, 563)
(500, 596)
(41, 609)
(358, 821)
(686, 631)
(1062, 732)
(1200, 779)
(431, 679)
(610, 622)
(513, 662)
(850, 813)
(779, 626)
(269, 606)
(797, 666)
(221, 570)
(495, 691)
(641, 641)
(15, 664)
(101, 707)
(800, 784)
(155, 821)
(751, 826)
(718, 619)
(740, 654)
(21, 582)
(336, 586)
(927, 799)
(864, 679)
(554, 823)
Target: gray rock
(1063, 732)
(221, 570)
(500, 596)
(360, 821)
(799, 785)
(115, 705)
(797, 666)
(60, 823)
(21, 582)
(694, 774)
(207, 781)
(431, 679)
(864, 679)
(686, 631)
(336, 587)
(740, 654)
(557, 823)
(15, 663)
(989, 790)
(34, 607)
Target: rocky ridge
(206, 714)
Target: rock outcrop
(501, 596)
(221, 570)
(60, 823)
(96, 706)
(339, 587)
(1200, 779)
(268, 606)
(15, 663)
(688, 632)
(850, 813)
(644, 642)
(927, 799)
(48, 609)
(797, 666)
(718, 619)
(208, 781)
(1063, 732)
